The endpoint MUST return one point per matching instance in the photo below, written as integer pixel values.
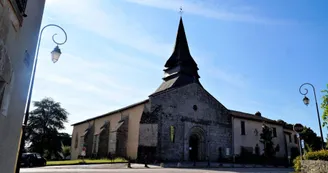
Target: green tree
(65, 138)
(44, 122)
(324, 106)
(311, 139)
(266, 139)
(285, 124)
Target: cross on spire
(181, 11)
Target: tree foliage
(266, 139)
(66, 139)
(312, 141)
(42, 131)
(324, 106)
(285, 124)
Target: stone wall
(185, 108)
(314, 166)
(148, 135)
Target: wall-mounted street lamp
(55, 55)
(306, 101)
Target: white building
(248, 127)
(20, 22)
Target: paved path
(121, 168)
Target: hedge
(317, 155)
(314, 155)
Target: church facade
(180, 121)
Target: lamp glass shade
(55, 54)
(306, 100)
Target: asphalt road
(156, 170)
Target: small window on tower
(172, 134)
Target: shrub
(315, 155)
(297, 164)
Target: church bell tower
(180, 69)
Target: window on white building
(242, 127)
(2, 91)
(5, 95)
(274, 132)
(6, 79)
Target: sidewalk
(159, 166)
(215, 165)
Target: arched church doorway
(193, 147)
(197, 144)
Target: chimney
(258, 114)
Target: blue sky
(252, 55)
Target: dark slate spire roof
(181, 54)
(180, 69)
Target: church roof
(253, 117)
(112, 112)
(175, 82)
(181, 53)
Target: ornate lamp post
(306, 101)
(55, 54)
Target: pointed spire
(181, 54)
(180, 69)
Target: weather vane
(181, 11)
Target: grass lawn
(79, 161)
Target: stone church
(180, 121)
